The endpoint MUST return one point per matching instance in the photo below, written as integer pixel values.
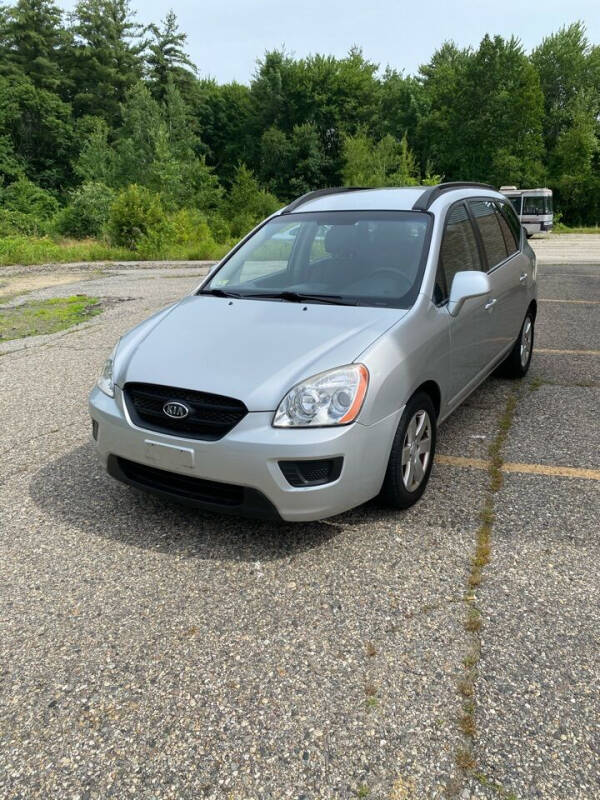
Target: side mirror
(466, 285)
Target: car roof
(401, 198)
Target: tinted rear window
(513, 234)
(458, 252)
(487, 220)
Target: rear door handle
(523, 277)
(490, 304)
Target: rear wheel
(518, 360)
(412, 453)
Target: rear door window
(487, 220)
(515, 199)
(458, 252)
(511, 227)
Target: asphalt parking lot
(152, 651)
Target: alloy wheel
(416, 450)
(526, 340)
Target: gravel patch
(538, 692)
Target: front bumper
(248, 457)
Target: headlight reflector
(330, 398)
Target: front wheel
(412, 453)
(518, 360)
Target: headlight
(330, 398)
(105, 381)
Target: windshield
(343, 257)
(534, 205)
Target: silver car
(308, 373)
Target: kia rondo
(310, 370)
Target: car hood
(253, 350)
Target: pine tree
(33, 43)
(107, 56)
(167, 62)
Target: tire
(400, 487)
(518, 360)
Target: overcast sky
(225, 37)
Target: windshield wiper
(220, 293)
(301, 297)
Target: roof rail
(299, 201)
(430, 195)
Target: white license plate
(168, 455)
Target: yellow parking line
(582, 302)
(525, 469)
(550, 351)
(550, 469)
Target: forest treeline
(107, 129)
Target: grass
(560, 227)
(46, 316)
(464, 757)
(30, 250)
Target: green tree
(230, 133)
(336, 96)
(486, 114)
(37, 131)
(569, 73)
(25, 197)
(96, 161)
(167, 62)
(135, 213)
(33, 43)
(87, 211)
(441, 79)
(247, 203)
(136, 139)
(106, 59)
(388, 162)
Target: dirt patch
(13, 286)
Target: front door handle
(490, 304)
(523, 277)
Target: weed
(473, 621)
(466, 724)
(46, 316)
(496, 787)
(483, 549)
(363, 790)
(464, 759)
(535, 383)
(28, 250)
(371, 650)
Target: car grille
(211, 416)
(185, 486)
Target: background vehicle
(533, 207)
(307, 375)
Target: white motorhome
(533, 206)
